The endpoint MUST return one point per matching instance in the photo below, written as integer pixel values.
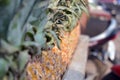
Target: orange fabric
(83, 20)
(100, 13)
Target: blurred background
(103, 27)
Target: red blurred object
(116, 70)
(100, 13)
(114, 75)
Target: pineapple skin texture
(52, 64)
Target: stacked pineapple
(41, 37)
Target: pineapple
(41, 36)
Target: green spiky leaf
(23, 59)
(3, 67)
